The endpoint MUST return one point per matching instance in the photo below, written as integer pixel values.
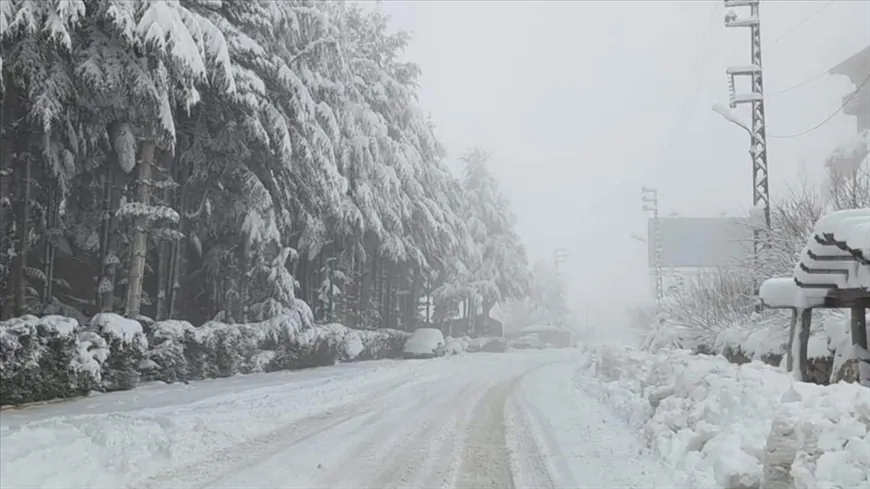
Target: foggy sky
(583, 102)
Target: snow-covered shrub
(127, 347)
(41, 359)
(736, 426)
(166, 349)
(382, 343)
(297, 348)
(456, 346)
(701, 306)
(487, 344)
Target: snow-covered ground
(734, 426)
(484, 420)
(566, 419)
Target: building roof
(855, 66)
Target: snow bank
(736, 426)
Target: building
(857, 103)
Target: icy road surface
(483, 421)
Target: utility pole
(560, 256)
(758, 130)
(650, 199)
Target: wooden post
(804, 337)
(859, 337)
(792, 329)
(859, 327)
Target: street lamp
(730, 117)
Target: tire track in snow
(220, 464)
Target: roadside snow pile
(736, 426)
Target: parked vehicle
(425, 343)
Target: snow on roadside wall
(713, 419)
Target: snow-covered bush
(166, 341)
(456, 346)
(382, 343)
(701, 306)
(288, 341)
(41, 359)
(487, 344)
(736, 426)
(127, 348)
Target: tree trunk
(413, 299)
(48, 260)
(7, 153)
(244, 278)
(388, 296)
(109, 261)
(23, 241)
(164, 250)
(140, 243)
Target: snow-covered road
(479, 421)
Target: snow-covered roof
(836, 256)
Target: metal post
(560, 256)
(758, 131)
(650, 199)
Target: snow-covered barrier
(736, 426)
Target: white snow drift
(736, 426)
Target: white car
(425, 343)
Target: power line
(798, 85)
(820, 124)
(804, 21)
(696, 66)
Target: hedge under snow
(56, 357)
(736, 426)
